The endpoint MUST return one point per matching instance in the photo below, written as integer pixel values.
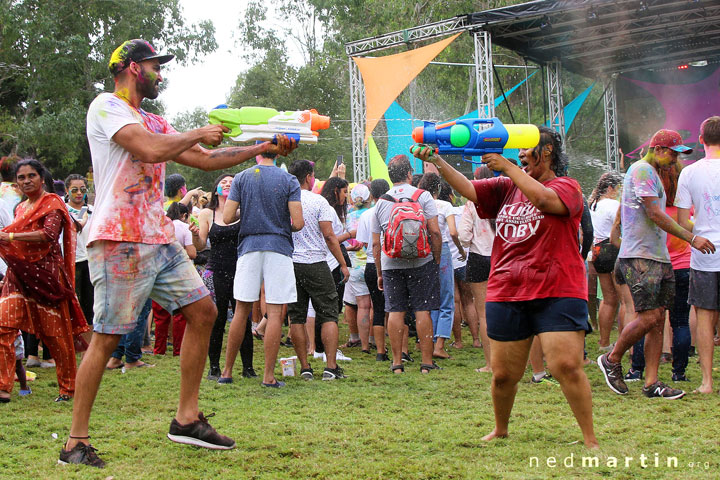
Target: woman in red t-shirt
(537, 283)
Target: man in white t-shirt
(313, 278)
(699, 187)
(132, 251)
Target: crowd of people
(408, 264)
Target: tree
(53, 62)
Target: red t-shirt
(535, 255)
(678, 248)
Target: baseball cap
(360, 192)
(136, 50)
(670, 139)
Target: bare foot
(477, 344)
(485, 369)
(4, 396)
(457, 345)
(137, 364)
(113, 363)
(493, 435)
(703, 389)
(441, 354)
(592, 444)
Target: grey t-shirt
(641, 237)
(263, 193)
(381, 218)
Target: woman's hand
(426, 154)
(496, 162)
(4, 237)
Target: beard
(149, 90)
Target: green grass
(370, 425)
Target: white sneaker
(319, 355)
(339, 356)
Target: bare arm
(435, 238)
(38, 236)
(456, 179)
(684, 219)
(467, 223)
(615, 232)
(230, 211)
(454, 235)
(334, 247)
(191, 251)
(376, 256)
(657, 214)
(296, 216)
(204, 224)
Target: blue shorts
(512, 321)
(125, 274)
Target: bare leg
(633, 332)
(309, 335)
(457, 319)
(87, 384)
(706, 321)
(397, 330)
(351, 317)
(470, 312)
(423, 323)
(405, 338)
(608, 308)
(299, 335)
(667, 335)
(627, 309)
(273, 333)
(508, 365)
(236, 335)
(479, 291)
(653, 348)
(592, 295)
(379, 334)
(329, 333)
(363, 321)
(564, 352)
(536, 356)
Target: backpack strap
(417, 194)
(388, 198)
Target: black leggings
(376, 295)
(84, 290)
(223, 282)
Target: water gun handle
(414, 148)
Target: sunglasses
(76, 190)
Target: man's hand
(426, 154)
(284, 145)
(380, 283)
(346, 274)
(212, 134)
(702, 244)
(496, 162)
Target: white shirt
(338, 229)
(309, 243)
(699, 186)
(82, 237)
(444, 209)
(475, 232)
(603, 217)
(182, 233)
(6, 218)
(364, 234)
(454, 252)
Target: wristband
(12, 236)
(691, 240)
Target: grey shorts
(412, 289)
(125, 274)
(314, 281)
(652, 283)
(704, 288)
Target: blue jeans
(680, 323)
(442, 319)
(131, 343)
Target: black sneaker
(249, 372)
(333, 373)
(679, 377)
(200, 434)
(382, 357)
(307, 373)
(633, 375)
(660, 390)
(214, 373)
(613, 375)
(407, 358)
(81, 454)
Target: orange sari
(40, 287)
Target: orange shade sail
(386, 77)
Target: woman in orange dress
(38, 295)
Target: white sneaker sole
(607, 380)
(198, 443)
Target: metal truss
(484, 74)
(555, 97)
(612, 141)
(358, 116)
(402, 37)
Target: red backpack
(406, 235)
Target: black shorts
(704, 289)
(652, 283)
(314, 281)
(459, 273)
(412, 289)
(604, 256)
(513, 321)
(477, 269)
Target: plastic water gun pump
(260, 123)
(476, 136)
